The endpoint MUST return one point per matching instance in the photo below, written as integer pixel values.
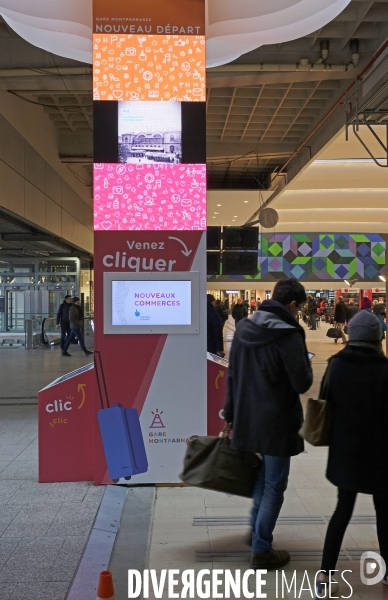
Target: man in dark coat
(215, 342)
(239, 311)
(340, 317)
(313, 311)
(352, 309)
(268, 369)
(63, 320)
(76, 316)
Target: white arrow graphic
(186, 251)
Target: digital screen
(149, 197)
(150, 133)
(149, 67)
(242, 238)
(213, 238)
(239, 263)
(151, 303)
(213, 263)
(146, 131)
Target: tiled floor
(43, 527)
(177, 543)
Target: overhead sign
(184, 17)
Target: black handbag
(212, 464)
(333, 332)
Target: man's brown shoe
(273, 559)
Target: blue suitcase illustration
(121, 435)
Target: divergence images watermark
(225, 583)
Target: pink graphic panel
(149, 197)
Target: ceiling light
(219, 204)
(216, 213)
(65, 28)
(233, 219)
(213, 217)
(347, 282)
(340, 161)
(382, 278)
(246, 201)
(235, 216)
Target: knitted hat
(365, 327)
(366, 303)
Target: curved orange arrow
(81, 388)
(220, 374)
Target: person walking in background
(340, 317)
(215, 342)
(258, 302)
(63, 320)
(239, 311)
(76, 317)
(221, 311)
(358, 447)
(313, 311)
(352, 309)
(379, 311)
(366, 304)
(268, 369)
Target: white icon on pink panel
(163, 198)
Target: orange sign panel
(149, 16)
(149, 67)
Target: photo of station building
(150, 147)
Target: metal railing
(51, 334)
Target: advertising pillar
(150, 247)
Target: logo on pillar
(157, 422)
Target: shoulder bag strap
(325, 383)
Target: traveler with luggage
(63, 320)
(268, 369)
(76, 317)
(358, 446)
(340, 318)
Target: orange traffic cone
(105, 587)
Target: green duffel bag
(212, 464)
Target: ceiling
(263, 105)
(260, 108)
(19, 239)
(342, 190)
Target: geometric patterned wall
(323, 257)
(317, 257)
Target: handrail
(45, 339)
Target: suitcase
(121, 434)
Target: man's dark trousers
(65, 332)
